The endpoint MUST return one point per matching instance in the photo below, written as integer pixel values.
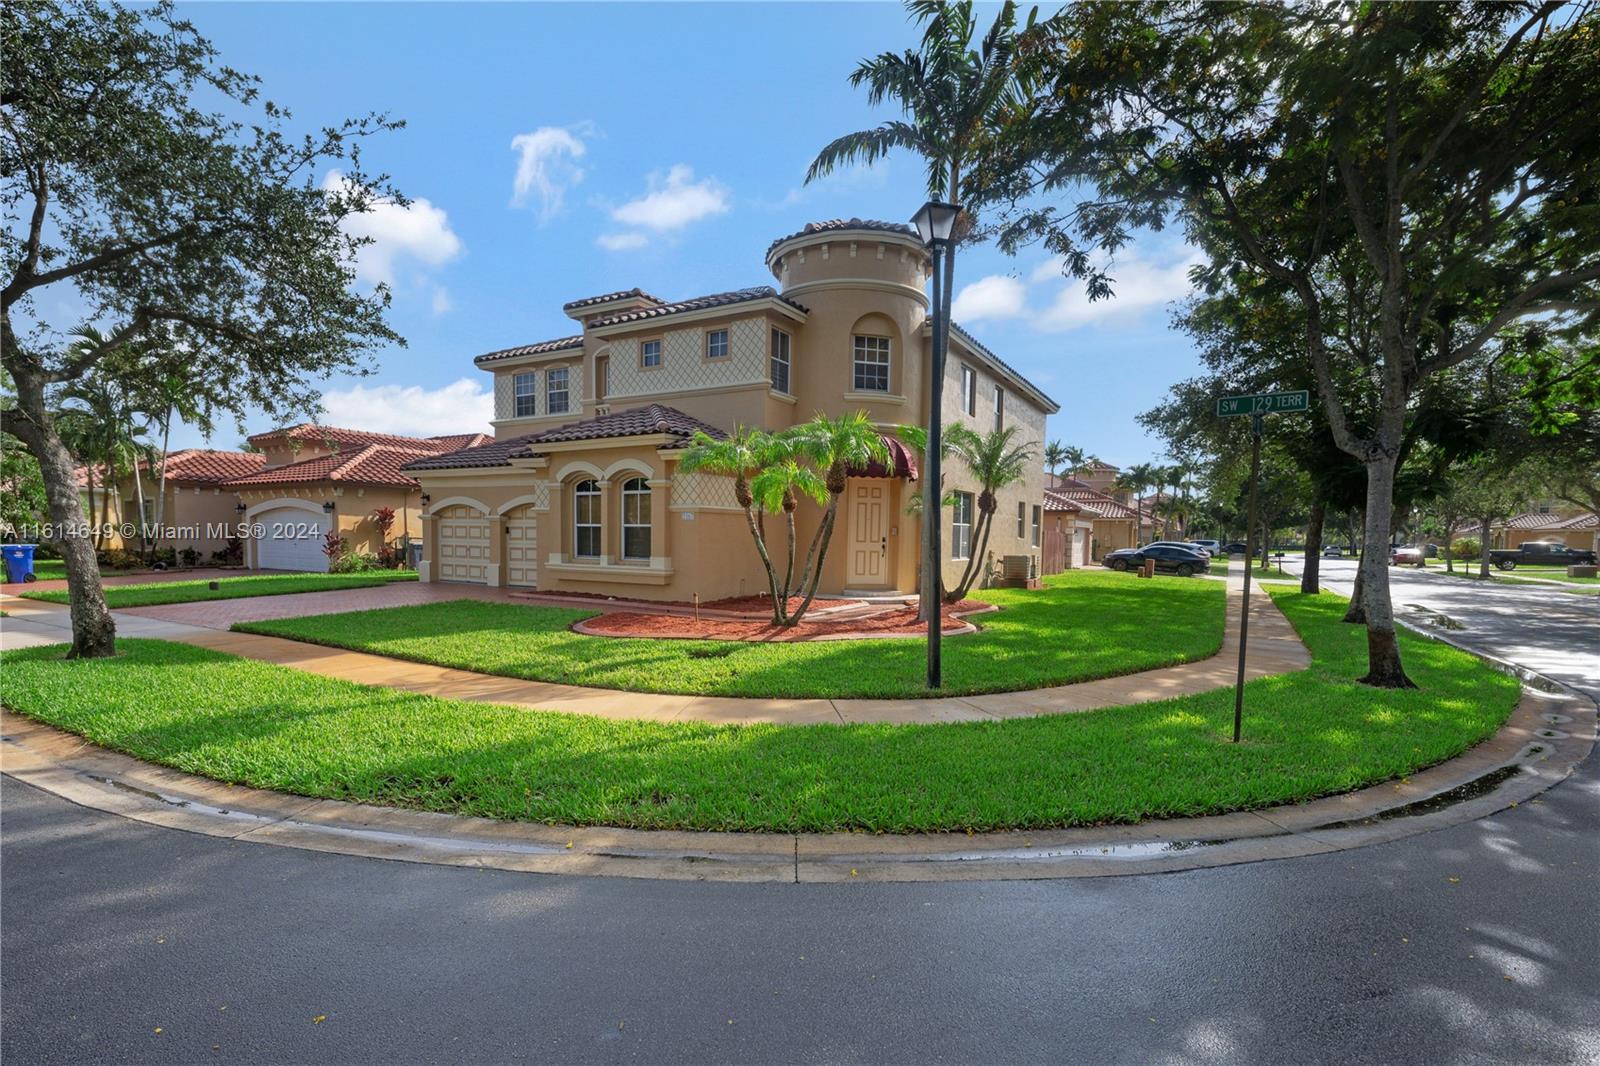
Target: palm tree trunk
(161, 499)
(138, 496)
(766, 561)
(826, 532)
(969, 575)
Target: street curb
(1543, 741)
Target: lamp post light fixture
(935, 223)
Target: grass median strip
(230, 588)
(1307, 734)
(1082, 625)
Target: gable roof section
(698, 303)
(537, 348)
(1039, 395)
(489, 453)
(200, 466)
(375, 464)
(334, 435)
(651, 418)
(450, 442)
(1102, 505)
(831, 224)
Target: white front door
(868, 514)
(290, 539)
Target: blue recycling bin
(19, 562)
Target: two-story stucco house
(582, 491)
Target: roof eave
(763, 303)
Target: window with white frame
(557, 396)
(636, 519)
(969, 389)
(650, 353)
(1022, 517)
(717, 344)
(961, 526)
(1038, 515)
(780, 361)
(999, 407)
(871, 364)
(522, 389)
(586, 520)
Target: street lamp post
(936, 223)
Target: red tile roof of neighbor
(334, 436)
(375, 464)
(1545, 520)
(1103, 506)
(203, 467)
(456, 441)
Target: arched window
(586, 520)
(636, 519)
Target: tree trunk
(161, 498)
(1384, 669)
(766, 561)
(1483, 545)
(138, 496)
(93, 629)
(979, 546)
(1356, 613)
(826, 531)
(1311, 570)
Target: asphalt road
(126, 943)
(1544, 629)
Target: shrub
(1466, 548)
(334, 546)
(232, 555)
(349, 562)
(189, 557)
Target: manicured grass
(230, 588)
(1573, 586)
(1082, 625)
(1306, 734)
(50, 569)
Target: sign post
(1255, 407)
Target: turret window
(871, 364)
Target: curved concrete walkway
(1274, 649)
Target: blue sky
(556, 151)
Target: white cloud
(419, 232)
(995, 296)
(847, 181)
(621, 242)
(442, 303)
(674, 201)
(1049, 270)
(463, 406)
(1140, 284)
(547, 166)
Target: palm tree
(917, 438)
(953, 98)
(836, 446)
(741, 456)
(1055, 456)
(170, 396)
(1075, 460)
(997, 463)
(1135, 480)
(777, 488)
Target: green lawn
(230, 588)
(1306, 734)
(50, 569)
(1084, 624)
(1576, 586)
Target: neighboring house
(582, 489)
(1574, 529)
(200, 510)
(1069, 533)
(1113, 524)
(313, 479)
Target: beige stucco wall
(353, 506)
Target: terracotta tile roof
(451, 442)
(983, 350)
(489, 453)
(1103, 505)
(537, 348)
(843, 224)
(698, 303)
(336, 436)
(1582, 521)
(633, 422)
(1546, 520)
(1055, 501)
(375, 464)
(605, 298)
(201, 466)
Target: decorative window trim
(551, 391)
(531, 379)
(787, 362)
(961, 526)
(711, 352)
(660, 348)
(580, 492)
(874, 355)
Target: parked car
(1192, 545)
(1169, 558)
(1333, 551)
(1407, 555)
(1237, 547)
(1541, 553)
(1212, 546)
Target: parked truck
(1540, 553)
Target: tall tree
(1440, 154)
(208, 242)
(954, 92)
(1055, 456)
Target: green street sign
(1266, 403)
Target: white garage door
(463, 544)
(291, 539)
(522, 547)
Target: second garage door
(290, 539)
(522, 547)
(463, 544)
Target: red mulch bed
(899, 621)
(764, 603)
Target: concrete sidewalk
(1274, 649)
